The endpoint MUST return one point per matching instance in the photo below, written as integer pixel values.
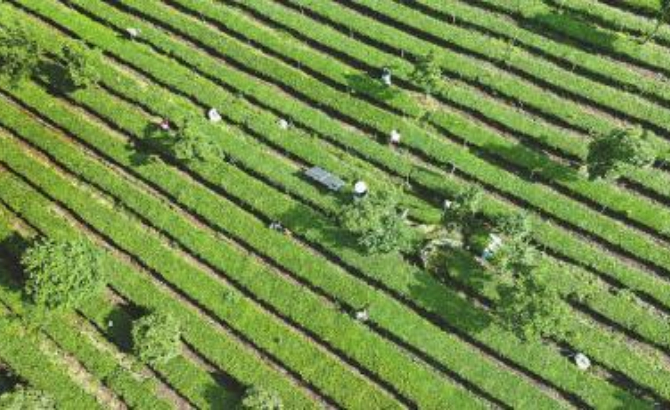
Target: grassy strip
(123, 381)
(22, 350)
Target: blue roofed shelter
(325, 178)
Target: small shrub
(192, 145)
(427, 73)
(612, 154)
(465, 207)
(156, 338)
(19, 53)
(377, 222)
(78, 60)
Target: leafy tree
(529, 307)
(19, 53)
(62, 274)
(465, 207)
(156, 338)
(378, 223)
(517, 225)
(516, 255)
(612, 154)
(516, 252)
(78, 60)
(427, 73)
(260, 399)
(192, 145)
(23, 398)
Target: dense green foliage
(156, 338)
(531, 307)
(62, 274)
(516, 253)
(257, 398)
(378, 222)
(192, 145)
(621, 150)
(465, 207)
(19, 53)
(79, 62)
(24, 398)
(427, 73)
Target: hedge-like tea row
(295, 351)
(219, 347)
(591, 65)
(23, 350)
(201, 386)
(619, 20)
(204, 247)
(128, 385)
(616, 100)
(623, 48)
(268, 243)
(471, 166)
(114, 369)
(376, 305)
(449, 153)
(462, 95)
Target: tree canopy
(19, 52)
(191, 145)
(78, 60)
(610, 155)
(378, 223)
(260, 399)
(23, 398)
(427, 73)
(62, 274)
(465, 207)
(516, 253)
(156, 338)
(530, 307)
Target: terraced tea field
(526, 85)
